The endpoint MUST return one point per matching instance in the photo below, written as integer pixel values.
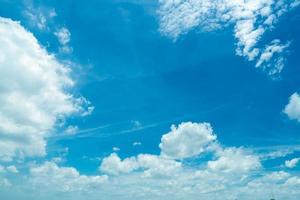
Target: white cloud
(116, 149)
(267, 59)
(39, 17)
(64, 37)
(33, 93)
(71, 130)
(234, 160)
(226, 173)
(292, 109)
(136, 144)
(65, 179)
(114, 165)
(251, 19)
(275, 152)
(187, 140)
(292, 163)
(152, 165)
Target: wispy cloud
(251, 19)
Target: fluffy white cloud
(251, 19)
(234, 160)
(151, 165)
(292, 163)
(187, 140)
(64, 179)
(114, 165)
(230, 173)
(292, 109)
(33, 93)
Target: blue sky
(137, 68)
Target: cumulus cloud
(187, 140)
(251, 19)
(225, 172)
(292, 109)
(292, 163)
(235, 160)
(228, 172)
(34, 93)
(151, 164)
(65, 179)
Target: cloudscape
(149, 99)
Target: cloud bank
(216, 172)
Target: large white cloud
(189, 139)
(33, 93)
(250, 18)
(292, 109)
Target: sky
(149, 99)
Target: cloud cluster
(188, 140)
(219, 172)
(229, 172)
(251, 19)
(225, 172)
(34, 93)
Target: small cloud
(116, 149)
(58, 160)
(292, 163)
(136, 144)
(292, 109)
(272, 58)
(64, 37)
(136, 123)
(39, 17)
(71, 130)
